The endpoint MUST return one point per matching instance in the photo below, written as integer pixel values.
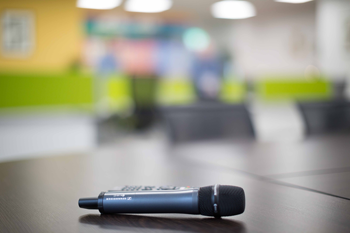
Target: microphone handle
(160, 201)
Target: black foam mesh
(204, 201)
(231, 200)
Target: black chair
(205, 121)
(326, 117)
(144, 97)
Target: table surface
(290, 187)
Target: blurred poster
(112, 26)
(173, 60)
(144, 48)
(135, 46)
(137, 56)
(17, 30)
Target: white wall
(35, 135)
(333, 37)
(278, 40)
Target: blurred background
(79, 75)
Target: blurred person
(207, 74)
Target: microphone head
(221, 200)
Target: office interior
(78, 77)
(98, 94)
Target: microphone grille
(231, 200)
(204, 201)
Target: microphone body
(214, 201)
(185, 201)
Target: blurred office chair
(144, 97)
(326, 117)
(205, 121)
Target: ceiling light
(148, 6)
(233, 10)
(98, 4)
(293, 1)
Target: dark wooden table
(291, 187)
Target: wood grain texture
(272, 159)
(334, 183)
(41, 195)
(158, 223)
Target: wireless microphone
(216, 200)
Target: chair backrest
(326, 117)
(208, 121)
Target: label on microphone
(138, 188)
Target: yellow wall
(58, 36)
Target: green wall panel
(29, 90)
(294, 89)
